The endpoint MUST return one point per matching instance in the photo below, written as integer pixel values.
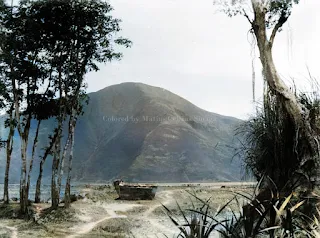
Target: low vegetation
(249, 215)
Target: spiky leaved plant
(198, 221)
(272, 146)
(271, 216)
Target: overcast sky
(189, 48)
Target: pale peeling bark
(23, 176)
(64, 154)
(67, 200)
(298, 114)
(23, 145)
(55, 193)
(24, 136)
(265, 50)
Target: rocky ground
(99, 214)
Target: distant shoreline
(237, 183)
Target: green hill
(144, 133)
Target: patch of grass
(102, 193)
(116, 228)
(5, 234)
(59, 215)
(134, 211)
(10, 211)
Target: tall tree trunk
(8, 154)
(48, 150)
(55, 196)
(296, 111)
(37, 197)
(34, 146)
(64, 154)
(24, 136)
(23, 176)
(23, 141)
(23, 202)
(55, 193)
(67, 200)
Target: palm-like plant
(273, 146)
(266, 214)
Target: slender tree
(43, 158)
(25, 69)
(53, 43)
(79, 34)
(6, 101)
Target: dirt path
(13, 230)
(153, 224)
(165, 198)
(86, 228)
(111, 210)
(95, 211)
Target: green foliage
(273, 146)
(76, 36)
(54, 44)
(275, 10)
(279, 11)
(23, 67)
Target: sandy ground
(100, 215)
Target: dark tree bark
(55, 196)
(34, 146)
(24, 137)
(9, 147)
(47, 152)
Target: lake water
(45, 191)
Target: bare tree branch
(246, 15)
(283, 18)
